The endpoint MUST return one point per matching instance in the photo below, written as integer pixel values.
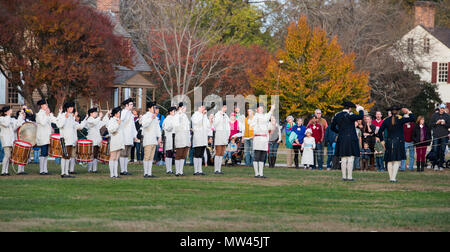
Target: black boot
(424, 165)
(419, 166)
(274, 161)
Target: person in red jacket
(318, 134)
(409, 146)
(378, 120)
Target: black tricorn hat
(92, 110)
(41, 102)
(68, 105)
(127, 101)
(395, 107)
(224, 103)
(150, 105)
(171, 109)
(180, 104)
(116, 110)
(348, 104)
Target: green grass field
(289, 200)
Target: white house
(428, 47)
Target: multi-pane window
(426, 45)
(410, 45)
(13, 95)
(443, 72)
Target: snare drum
(104, 152)
(84, 151)
(21, 152)
(55, 146)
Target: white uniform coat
(201, 127)
(260, 125)
(44, 127)
(129, 129)
(93, 125)
(150, 129)
(169, 129)
(221, 125)
(68, 128)
(8, 126)
(116, 133)
(182, 130)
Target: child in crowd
(309, 144)
(379, 155)
(365, 156)
(160, 155)
(231, 149)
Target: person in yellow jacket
(248, 141)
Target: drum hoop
(85, 142)
(25, 142)
(53, 135)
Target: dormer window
(426, 45)
(410, 45)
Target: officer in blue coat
(347, 144)
(395, 140)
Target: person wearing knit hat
(221, 124)
(152, 138)
(260, 124)
(347, 144)
(44, 119)
(94, 123)
(169, 134)
(129, 134)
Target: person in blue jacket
(299, 129)
(330, 139)
(395, 140)
(347, 144)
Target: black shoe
(3, 175)
(42, 174)
(344, 179)
(351, 180)
(145, 176)
(169, 172)
(220, 173)
(182, 175)
(128, 174)
(177, 175)
(257, 176)
(95, 172)
(7, 174)
(196, 174)
(122, 173)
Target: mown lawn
(289, 200)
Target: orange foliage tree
(314, 74)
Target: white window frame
(442, 73)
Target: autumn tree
(240, 63)
(59, 46)
(315, 73)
